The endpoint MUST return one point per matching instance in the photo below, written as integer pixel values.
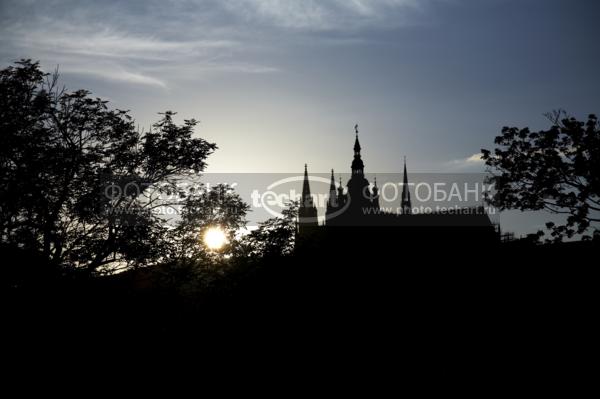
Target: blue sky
(279, 83)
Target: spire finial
(356, 143)
(405, 203)
(375, 181)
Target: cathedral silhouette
(354, 216)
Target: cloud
(121, 56)
(145, 42)
(473, 163)
(474, 159)
(239, 67)
(327, 15)
(114, 44)
(115, 73)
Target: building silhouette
(353, 215)
(307, 210)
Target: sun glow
(215, 238)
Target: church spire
(357, 164)
(405, 204)
(356, 142)
(306, 196)
(307, 211)
(333, 201)
(375, 197)
(340, 190)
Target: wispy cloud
(90, 44)
(325, 15)
(115, 44)
(143, 42)
(113, 72)
(473, 163)
(114, 55)
(475, 159)
(123, 57)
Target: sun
(215, 238)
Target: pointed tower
(358, 166)
(359, 193)
(307, 212)
(375, 197)
(332, 202)
(405, 203)
(341, 196)
(332, 192)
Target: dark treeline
(83, 189)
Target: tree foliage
(554, 170)
(276, 236)
(219, 206)
(78, 182)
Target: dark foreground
(514, 311)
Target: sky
(277, 84)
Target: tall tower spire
(307, 212)
(340, 190)
(356, 143)
(359, 198)
(357, 164)
(306, 197)
(375, 191)
(332, 203)
(405, 203)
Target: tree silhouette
(554, 170)
(218, 206)
(79, 183)
(275, 236)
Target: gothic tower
(307, 212)
(358, 167)
(341, 197)
(405, 202)
(333, 202)
(359, 193)
(375, 196)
